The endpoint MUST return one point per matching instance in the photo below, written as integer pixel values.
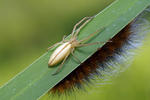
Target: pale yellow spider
(68, 46)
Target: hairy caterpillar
(109, 58)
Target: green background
(28, 27)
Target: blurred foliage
(28, 27)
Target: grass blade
(37, 79)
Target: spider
(67, 47)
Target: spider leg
(91, 35)
(61, 65)
(54, 45)
(64, 39)
(85, 18)
(58, 43)
(75, 56)
(78, 30)
(94, 43)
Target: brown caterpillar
(126, 39)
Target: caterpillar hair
(109, 58)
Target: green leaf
(37, 79)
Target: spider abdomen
(59, 54)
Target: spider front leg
(78, 30)
(85, 18)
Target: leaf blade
(37, 79)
